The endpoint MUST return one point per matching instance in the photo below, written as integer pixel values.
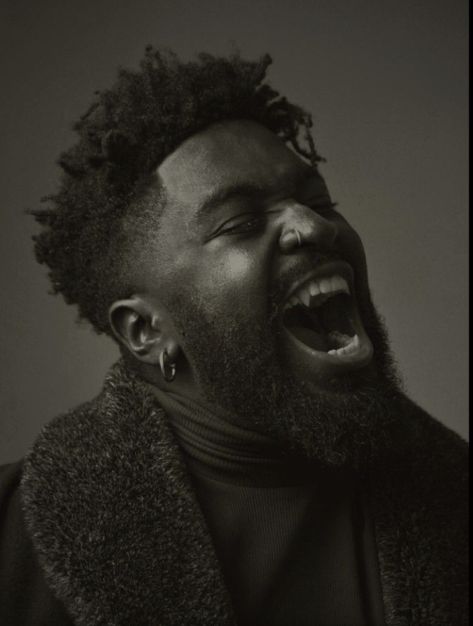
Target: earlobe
(136, 326)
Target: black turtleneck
(294, 541)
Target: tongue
(315, 340)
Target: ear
(139, 326)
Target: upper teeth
(316, 291)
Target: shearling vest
(106, 528)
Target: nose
(302, 226)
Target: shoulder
(431, 445)
(422, 479)
(420, 505)
(10, 506)
(423, 483)
(25, 598)
(10, 509)
(10, 477)
(425, 459)
(11, 524)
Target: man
(251, 459)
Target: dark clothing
(289, 555)
(25, 598)
(112, 531)
(293, 540)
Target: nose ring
(291, 240)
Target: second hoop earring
(168, 368)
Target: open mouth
(321, 320)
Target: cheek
(236, 268)
(355, 246)
(353, 250)
(234, 282)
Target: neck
(215, 444)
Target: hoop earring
(168, 369)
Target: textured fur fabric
(120, 537)
(114, 520)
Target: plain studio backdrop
(386, 82)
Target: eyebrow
(245, 190)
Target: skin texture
(217, 274)
(243, 245)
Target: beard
(344, 423)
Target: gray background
(387, 83)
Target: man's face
(268, 323)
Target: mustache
(308, 262)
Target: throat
(325, 328)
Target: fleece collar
(121, 539)
(113, 517)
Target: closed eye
(242, 224)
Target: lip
(314, 364)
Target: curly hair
(91, 226)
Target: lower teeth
(350, 346)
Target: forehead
(226, 154)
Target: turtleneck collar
(215, 446)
